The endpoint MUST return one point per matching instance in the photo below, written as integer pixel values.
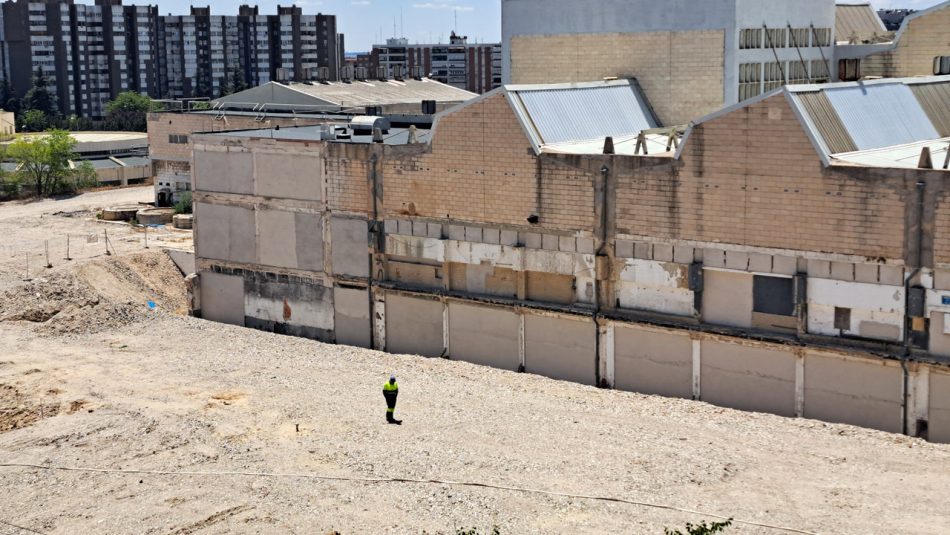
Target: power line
(406, 480)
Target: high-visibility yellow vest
(390, 387)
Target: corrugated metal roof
(881, 115)
(901, 156)
(935, 99)
(825, 119)
(354, 94)
(857, 21)
(579, 112)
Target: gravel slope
(174, 393)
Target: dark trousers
(390, 404)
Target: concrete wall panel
(350, 247)
(561, 348)
(277, 231)
(309, 241)
(748, 378)
(653, 362)
(225, 233)
(295, 308)
(866, 394)
(414, 326)
(222, 298)
(483, 335)
(939, 420)
(287, 176)
(224, 172)
(351, 323)
(877, 311)
(727, 298)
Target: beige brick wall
(348, 178)
(680, 72)
(924, 39)
(753, 178)
(162, 125)
(942, 231)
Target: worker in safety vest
(390, 391)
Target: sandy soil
(164, 392)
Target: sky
(365, 22)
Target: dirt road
(162, 392)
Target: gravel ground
(165, 392)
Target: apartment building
(691, 58)
(789, 254)
(93, 52)
(470, 66)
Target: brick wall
(348, 178)
(163, 125)
(942, 230)
(753, 178)
(924, 39)
(680, 72)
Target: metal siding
(935, 100)
(878, 116)
(584, 113)
(826, 121)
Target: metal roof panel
(881, 115)
(935, 99)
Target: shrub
(184, 205)
(702, 529)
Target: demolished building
(790, 254)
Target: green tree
(236, 81)
(128, 112)
(40, 97)
(8, 99)
(44, 162)
(33, 121)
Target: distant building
(893, 18)
(691, 58)
(91, 53)
(470, 66)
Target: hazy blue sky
(364, 21)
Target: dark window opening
(773, 295)
(842, 319)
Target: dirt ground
(219, 406)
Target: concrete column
(446, 345)
(521, 339)
(607, 354)
(697, 368)
(800, 383)
(918, 398)
(379, 322)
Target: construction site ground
(206, 428)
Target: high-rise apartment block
(92, 52)
(475, 67)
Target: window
(176, 139)
(751, 38)
(774, 75)
(842, 319)
(822, 37)
(798, 73)
(750, 76)
(773, 295)
(798, 37)
(819, 72)
(775, 38)
(942, 65)
(849, 70)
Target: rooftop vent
(362, 73)
(418, 72)
(365, 125)
(382, 73)
(283, 75)
(398, 73)
(347, 73)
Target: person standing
(390, 392)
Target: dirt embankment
(99, 295)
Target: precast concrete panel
(759, 379)
(222, 298)
(277, 233)
(224, 172)
(414, 326)
(351, 321)
(939, 420)
(349, 246)
(309, 241)
(295, 308)
(561, 348)
(289, 176)
(225, 233)
(484, 335)
(727, 298)
(651, 362)
(850, 391)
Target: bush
(702, 529)
(183, 206)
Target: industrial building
(119, 158)
(919, 48)
(789, 254)
(403, 102)
(691, 58)
(93, 52)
